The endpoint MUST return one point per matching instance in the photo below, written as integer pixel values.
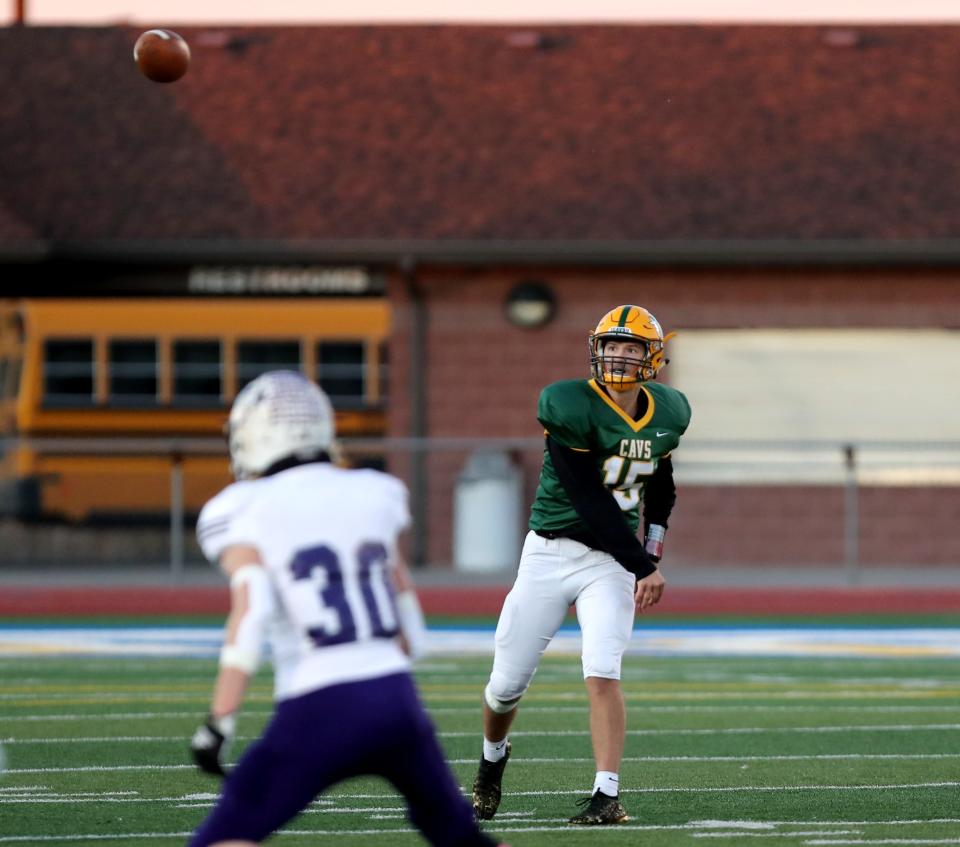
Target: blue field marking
(204, 642)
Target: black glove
(211, 742)
(653, 543)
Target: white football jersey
(327, 537)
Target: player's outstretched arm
(251, 606)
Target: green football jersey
(580, 415)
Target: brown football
(161, 55)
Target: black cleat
(600, 809)
(486, 787)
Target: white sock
(607, 782)
(494, 751)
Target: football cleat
(600, 809)
(632, 324)
(486, 787)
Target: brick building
(728, 178)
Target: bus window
(341, 372)
(383, 353)
(68, 371)
(13, 377)
(257, 357)
(197, 372)
(133, 371)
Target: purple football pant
(374, 727)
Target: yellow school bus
(90, 387)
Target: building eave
(421, 252)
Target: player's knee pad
(504, 690)
(500, 707)
(509, 682)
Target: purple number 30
(340, 624)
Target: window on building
(68, 371)
(133, 371)
(341, 372)
(257, 357)
(197, 372)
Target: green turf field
(720, 752)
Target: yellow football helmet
(627, 323)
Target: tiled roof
(482, 133)
(12, 228)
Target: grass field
(755, 751)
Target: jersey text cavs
(580, 415)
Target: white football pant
(553, 575)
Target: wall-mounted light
(530, 304)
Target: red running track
(486, 601)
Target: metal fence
(710, 474)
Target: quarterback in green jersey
(608, 442)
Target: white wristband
(411, 623)
(654, 543)
(232, 656)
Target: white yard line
(650, 790)
(895, 822)
(101, 769)
(918, 841)
(20, 839)
(793, 758)
(696, 790)
(742, 730)
(94, 698)
(694, 827)
(759, 788)
(802, 833)
(470, 710)
(551, 733)
(40, 801)
(535, 760)
(633, 695)
(819, 708)
(117, 716)
(605, 831)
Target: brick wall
(804, 525)
(484, 376)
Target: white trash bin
(487, 513)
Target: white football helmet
(280, 414)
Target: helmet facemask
(623, 371)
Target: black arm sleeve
(599, 511)
(659, 495)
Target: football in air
(162, 55)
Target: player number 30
(353, 605)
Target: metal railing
(846, 465)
